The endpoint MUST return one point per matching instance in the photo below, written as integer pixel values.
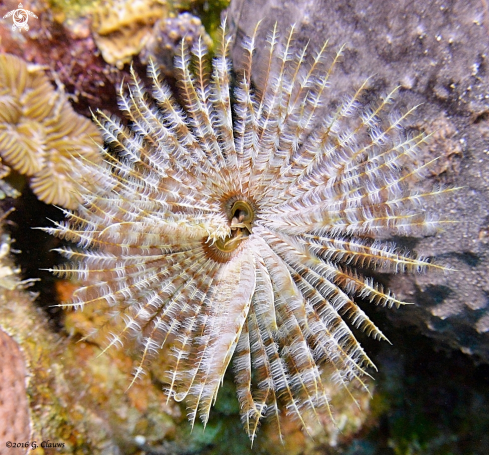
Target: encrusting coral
(245, 230)
(121, 27)
(40, 133)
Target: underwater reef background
(431, 393)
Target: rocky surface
(165, 41)
(15, 423)
(436, 51)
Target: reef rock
(165, 41)
(437, 53)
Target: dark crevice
(35, 249)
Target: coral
(40, 134)
(248, 239)
(121, 27)
(72, 8)
(166, 40)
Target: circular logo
(20, 18)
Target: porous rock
(436, 51)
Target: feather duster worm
(234, 231)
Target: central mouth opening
(241, 218)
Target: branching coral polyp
(40, 133)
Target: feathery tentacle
(240, 224)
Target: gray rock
(436, 51)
